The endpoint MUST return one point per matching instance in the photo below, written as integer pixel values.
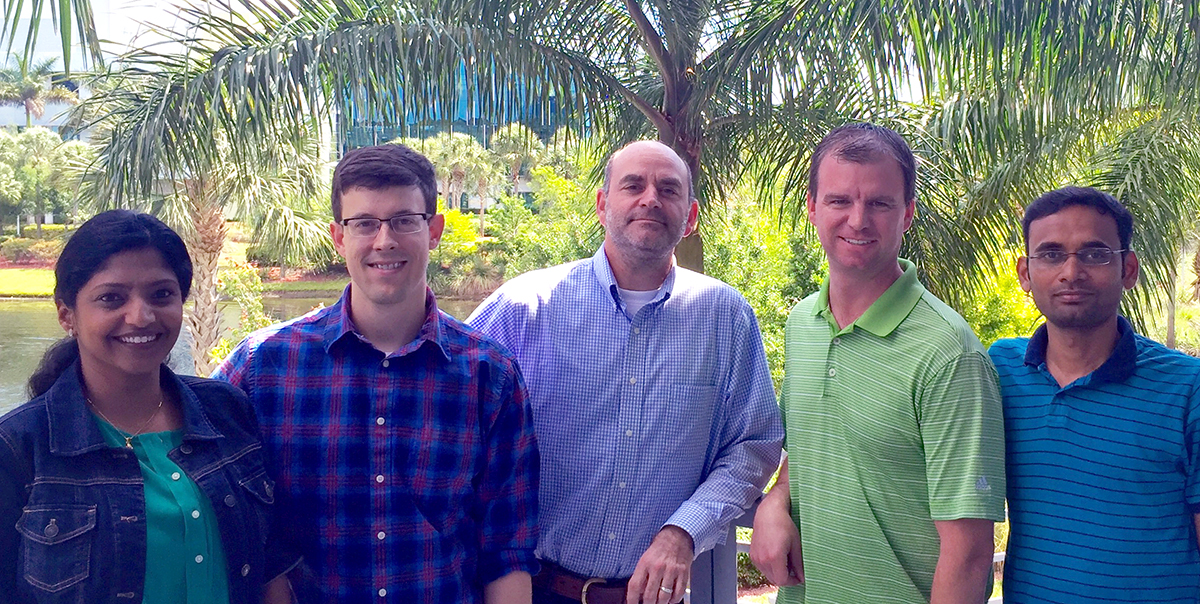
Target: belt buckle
(586, 585)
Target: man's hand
(775, 545)
(666, 563)
(278, 591)
(513, 588)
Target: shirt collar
(1119, 366)
(340, 326)
(73, 431)
(603, 271)
(886, 312)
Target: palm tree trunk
(40, 209)
(205, 247)
(1170, 343)
(690, 252)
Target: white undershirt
(635, 300)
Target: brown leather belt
(586, 590)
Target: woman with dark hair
(120, 481)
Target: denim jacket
(72, 509)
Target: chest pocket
(56, 545)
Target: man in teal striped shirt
(895, 466)
(1103, 425)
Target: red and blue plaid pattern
(406, 478)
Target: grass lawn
(26, 282)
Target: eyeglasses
(400, 224)
(1090, 256)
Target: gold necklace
(129, 438)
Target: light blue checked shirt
(666, 417)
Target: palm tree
(29, 85)
(744, 89)
(517, 146)
(158, 154)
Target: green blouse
(185, 562)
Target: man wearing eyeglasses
(1103, 425)
(405, 447)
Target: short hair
(863, 143)
(686, 168)
(1057, 200)
(383, 166)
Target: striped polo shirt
(1103, 475)
(892, 422)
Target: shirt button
(612, 536)
(379, 479)
(382, 593)
(379, 421)
(230, 501)
(386, 362)
(199, 559)
(637, 330)
(632, 380)
(381, 535)
(629, 433)
(245, 569)
(621, 484)
(832, 372)
(195, 513)
(175, 476)
(837, 340)
(186, 449)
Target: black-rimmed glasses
(400, 224)
(1090, 256)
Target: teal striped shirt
(1103, 475)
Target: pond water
(29, 327)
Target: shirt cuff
(493, 565)
(700, 524)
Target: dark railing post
(714, 573)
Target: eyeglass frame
(1041, 256)
(345, 222)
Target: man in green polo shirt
(895, 441)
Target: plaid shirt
(406, 478)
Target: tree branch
(658, 51)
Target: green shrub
(26, 250)
(1001, 309)
(51, 230)
(17, 249)
(242, 284)
(747, 573)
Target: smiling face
(127, 316)
(387, 270)
(861, 216)
(1073, 295)
(646, 210)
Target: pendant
(128, 442)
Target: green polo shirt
(892, 422)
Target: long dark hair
(85, 254)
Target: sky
(122, 23)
